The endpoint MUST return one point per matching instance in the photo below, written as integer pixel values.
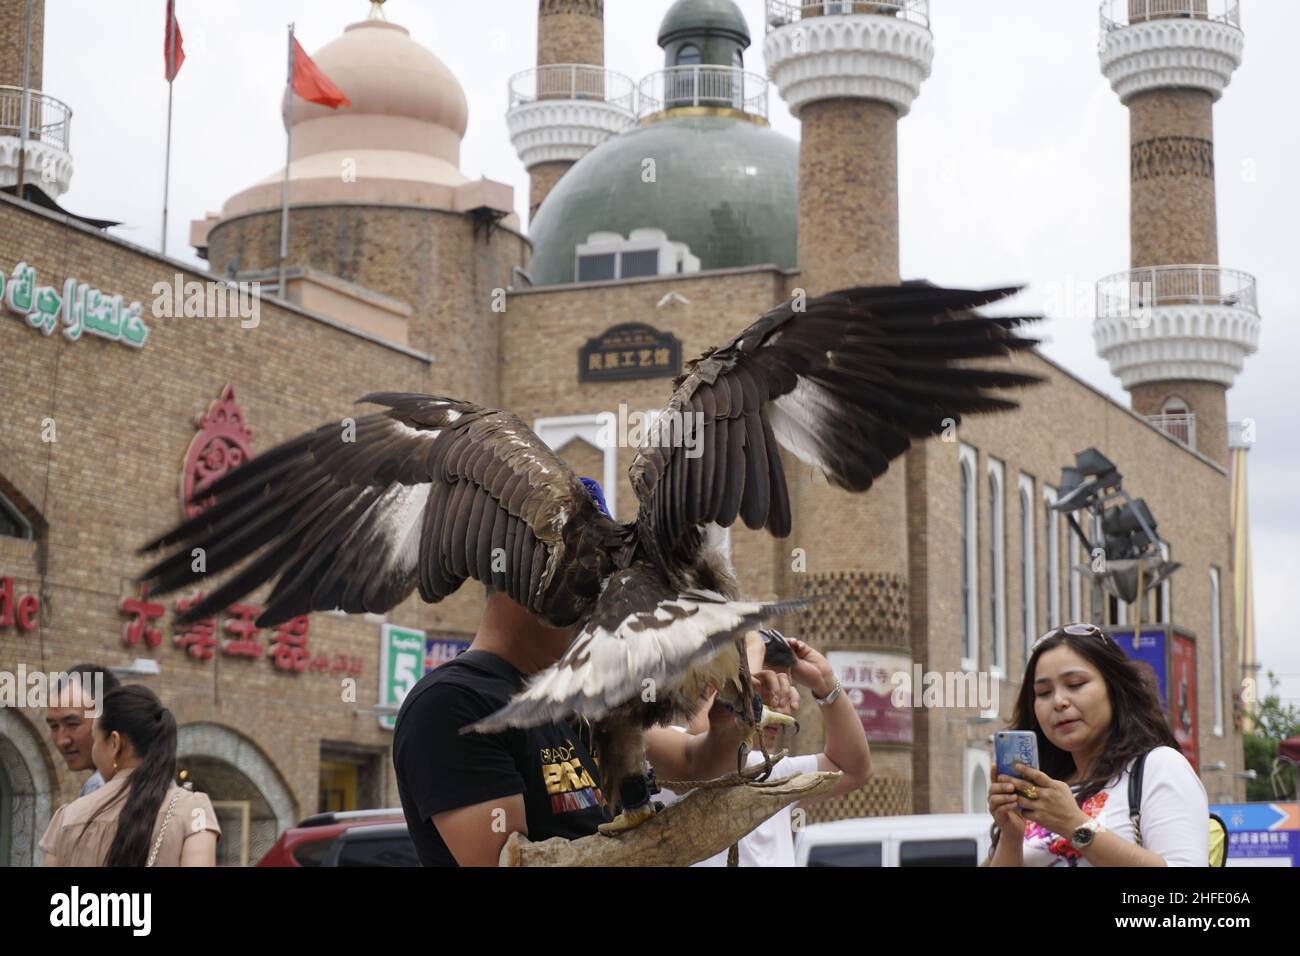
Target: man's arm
(847, 749)
(475, 834)
(467, 785)
(678, 756)
(704, 756)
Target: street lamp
(1135, 560)
(140, 667)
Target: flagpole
(25, 107)
(171, 79)
(288, 154)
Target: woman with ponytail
(140, 817)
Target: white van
(932, 839)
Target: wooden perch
(706, 821)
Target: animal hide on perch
(709, 819)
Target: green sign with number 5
(401, 664)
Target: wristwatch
(830, 698)
(1085, 833)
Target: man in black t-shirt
(464, 794)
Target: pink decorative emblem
(223, 443)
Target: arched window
(1216, 653)
(688, 55)
(12, 522)
(1077, 557)
(1052, 547)
(1028, 597)
(997, 566)
(969, 563)
(1176, 419)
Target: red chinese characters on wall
(289, 645)
(236, 636)
(142, 611)
(241, 626)
(198, 638)
(223, 443)
(343, 664)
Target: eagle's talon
(627, 820)
(774, 718)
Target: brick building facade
(414, 278)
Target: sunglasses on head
(1077, 630)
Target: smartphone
(1011, 747)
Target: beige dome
(383, 71)
(398, 141)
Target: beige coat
(81, 832)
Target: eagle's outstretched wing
(844, 383)
(357, 514)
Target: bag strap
(153, 854)
(1135, 797)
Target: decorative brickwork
(1173, 156)
(859, 608)
(881, 796)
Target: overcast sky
(1013, 166)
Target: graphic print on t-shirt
(567, 781)
(1038, 835)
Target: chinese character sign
(235, 633)
(627, 351)
(868, 682)
(141, 611)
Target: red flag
(173, 50)
(313, 85)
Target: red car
(351, 838)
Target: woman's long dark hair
(1137, 723)
(135, 712)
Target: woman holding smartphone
(1094, 715)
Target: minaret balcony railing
(1178, 425)
(48, 119)
(1117, 14)
(782, 13)
(570, 81)
(1128, 294)
(702, 85)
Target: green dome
(697, 17)
(726, 187)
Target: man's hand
(775, 689)
(811, 670)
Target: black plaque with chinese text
(627, 351)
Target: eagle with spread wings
(432, 491)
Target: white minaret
(1176, 327)
(569, 104)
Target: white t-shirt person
(771, 843)
(1175, 816)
